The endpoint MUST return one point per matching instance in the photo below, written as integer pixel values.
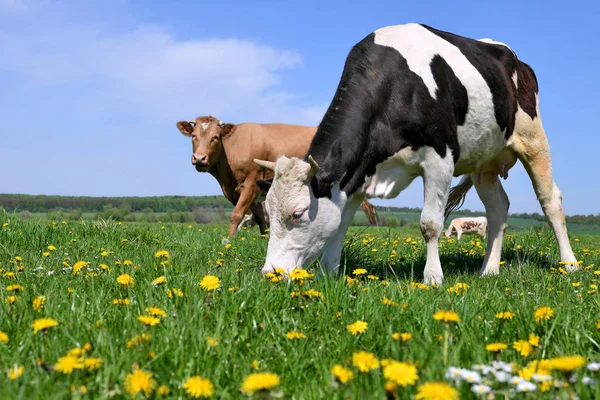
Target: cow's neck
(342, 143)
(222, 172)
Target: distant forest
(201, 209)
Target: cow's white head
(301, 224)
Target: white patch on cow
(515, 79)
(480, 139)
(491, 41)
(393, 175)
(205, 126)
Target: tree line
(202, 209)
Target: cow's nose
(198, 159)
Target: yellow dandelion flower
(51, 248)
(121, 302)
(197, 386)
(233, 289)
(15, 372)
(342, 374)
(567, 363)
(359, 271)
(14, 288)
(543, 313)
(38, 303)
(389, 302)
(3, 337)
(357, 328)
(291, 335)
(534, 340)
(78, 266)
(174, 292)
(255, 365)
(496, 347)
(446, 316)
(127, 262)
(76, 352)
(505, 315)
(42, 324)
(68, 364)
(210, 283)
(92, 363)
(144, 338)
(365, 361)
(159, 281)
(148, 320)
(12, 299)
(9, 275)
(299, 274)
(403, 337)
(598, 325)
(46, 254)
(523, 347)
(125, 280)
(260, 381)
(163, 391)
(161, 254)
(436, 391)
(156, 312)
(401, 373)
(212, 342)
(139, 381)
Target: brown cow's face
(206, 134)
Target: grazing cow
(414, 101)
(227, 151)
(467, 225)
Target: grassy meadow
(174, 311)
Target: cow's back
(252, 141)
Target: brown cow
(227, 152)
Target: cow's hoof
(434, 279)
(571, 266)
(489, 271)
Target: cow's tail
(370, 211)
(457, 195)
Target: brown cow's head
(207, 134)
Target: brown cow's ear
(185, 128)
(226, 129)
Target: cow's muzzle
(200, 160)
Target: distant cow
(227, 151)
(415, 101)
(467, 225)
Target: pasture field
(130, 310)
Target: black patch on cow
(528, 88)
(379, 108)
(264, 185)
(496, 63)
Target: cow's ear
(186, 128)
(264, 185)
(226, 129)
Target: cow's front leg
(458, 234)
(330, 261)
(241, 208)
(437, 177)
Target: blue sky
(91, 91)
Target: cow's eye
(297, 214)
(214, 139)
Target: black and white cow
(414, 101)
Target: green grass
(251, 323)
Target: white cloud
(148, 72)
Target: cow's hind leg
(496, 204)
(531, 146)
(437, 177)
